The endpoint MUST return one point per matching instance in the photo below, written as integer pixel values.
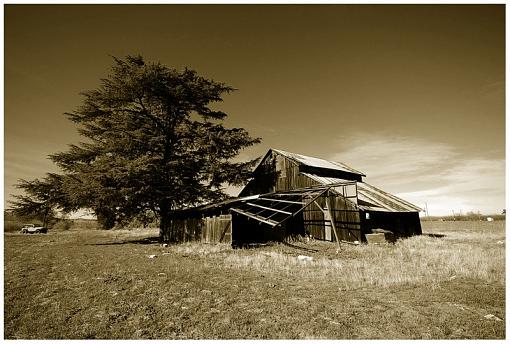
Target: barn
(294, 195)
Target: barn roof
(370, 197)
(317, 162)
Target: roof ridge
(296, 156)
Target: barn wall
(217, 229)
(346, 218)
(213, 229)
(264, 177)
(276, 173)
(289, 177)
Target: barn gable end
(281, 171)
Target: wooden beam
(258, 218)
(314, 188)
(267, 208)
(317, 204)
(296, 194)
(332, 220)
(280, 200)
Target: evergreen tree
(41, 198)
(154, 142)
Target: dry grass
(462, 253)
(97, 284)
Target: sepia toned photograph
(261, 171)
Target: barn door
(217, 229)
(225, 228)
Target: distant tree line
(469, 216)
(153, 144)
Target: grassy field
(84, 283)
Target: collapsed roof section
(277, 207)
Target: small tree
(153, 143)
(41, 198)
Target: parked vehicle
(30, 228)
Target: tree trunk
(165, 224)
(45, 217)
(105, 218)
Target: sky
(412, 95)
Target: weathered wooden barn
(292, 195)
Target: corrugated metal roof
(370, 197)
(317, 162)
(325, 180)
(378, 197)
(371, 208)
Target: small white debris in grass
(500, 242)
(164, 245)
(184, 307)
(205, 291)
(305, 258)
(356, 242)
(493, 317)
(453, 277)
(151, 256)
(161, 274)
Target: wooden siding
(345, 215)
(217, 229)
(276, 173)
(212, 229)
(289, 177)
(264, 177)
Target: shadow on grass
(272, 243)
(434, 235)
(144, 241)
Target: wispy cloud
(422, 172)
